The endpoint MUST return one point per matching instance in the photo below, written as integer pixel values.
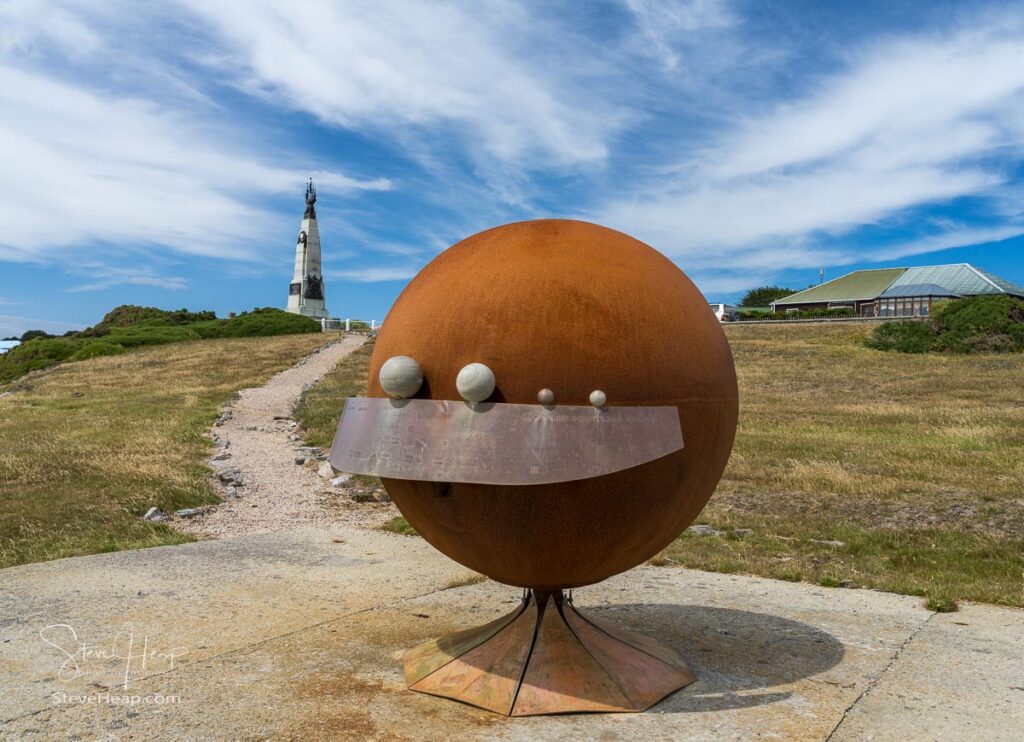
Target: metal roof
(1006, 286)
(917, 289)
(856, 286)
(959, 278)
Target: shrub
(906, 337)
(258, 323)
(993, 324)
(134, 327)
(981, 323)
(95, 350)
(127, 315)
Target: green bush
(907, 336)
(804, 314)
(95, 350)
(258, 323)
(127, 315)
(981, 323)
(134, 327)
(993, 324)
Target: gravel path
(255, 468)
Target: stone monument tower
(306, 293)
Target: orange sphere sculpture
(569, 307)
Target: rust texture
(547, 658)
(571, 307)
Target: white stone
(598, 398)
(401, 377)
(475, 382)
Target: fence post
(348, 325)
(373, 324)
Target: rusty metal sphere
(575, 307)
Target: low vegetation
(839, 313)
(399, 525)
(87, 448)
(979, 324)
(128, 327)
(319, 409)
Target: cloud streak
(909, 123)
(87, 165)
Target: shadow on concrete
(732, 652)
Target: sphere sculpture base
(547, 658)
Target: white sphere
(598, 398)
(546, 396)
(475, 382)
(401, 377)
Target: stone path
(255, 438)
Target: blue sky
(155, 153)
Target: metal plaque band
(496, 443)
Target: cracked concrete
(299, 635)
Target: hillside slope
(87, 448)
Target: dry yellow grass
(87, 448)
(915, 463)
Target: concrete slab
(299, 636)
(962, 677)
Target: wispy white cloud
(172, 283)
(908, 123)
(85, 165)
(488, 71)
(667, 25)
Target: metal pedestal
(547, 658)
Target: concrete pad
(296, 636)
(962, 677)
(192, 601)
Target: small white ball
(598, 398)
(475, 382)
(546, 396)
(401, 377)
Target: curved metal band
(496, 443)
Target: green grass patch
(399, 525)
(941, 605)
(319, 409)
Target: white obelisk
(306, 293)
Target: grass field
(852, 466)
(898, 472)
(87, 448)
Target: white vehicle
(725, 312)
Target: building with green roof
(898, 292)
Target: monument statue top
(310, 199)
